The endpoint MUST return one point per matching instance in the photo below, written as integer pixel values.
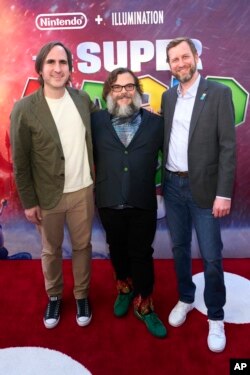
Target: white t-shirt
(72, 134)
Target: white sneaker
(216, 339)
(179, 313)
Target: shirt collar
(192, 91)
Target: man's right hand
(33, 215)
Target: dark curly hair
(113, 77)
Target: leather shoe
(179, 313)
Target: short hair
(177, 41)
(43, 53)
(113, 77)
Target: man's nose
(57, 67)
(182, 62)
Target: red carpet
(111, 346)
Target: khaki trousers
(76, 210)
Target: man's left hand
(221, 207)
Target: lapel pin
(203, 96)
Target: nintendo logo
(61, 21)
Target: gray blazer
(37, 151)
(211, 144)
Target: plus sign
(98, 19)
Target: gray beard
(124, 110)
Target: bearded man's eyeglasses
(128, 87)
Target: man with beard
(199, 161)
(126, 140)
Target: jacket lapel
(79, 103)
(144, 118)
(170, 111)
(198, 105)
(108, 124)
(41, 111)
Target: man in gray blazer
(199, 165)
(53, 167)
(126, 140)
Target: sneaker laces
(154, 319)
(83, 307)
(53, 307)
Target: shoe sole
(50, 326)
(179, 324)
(83, 324)
(216, 350)
(120, 315)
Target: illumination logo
(61, 21)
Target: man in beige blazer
(53, 167)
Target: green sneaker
(122, 303)
(153, 323)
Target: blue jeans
(182, 214)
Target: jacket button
(62, 158)
(126, 152)
(125, 169)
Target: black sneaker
(84, 314)
(52, 313)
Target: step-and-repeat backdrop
(103, 35)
